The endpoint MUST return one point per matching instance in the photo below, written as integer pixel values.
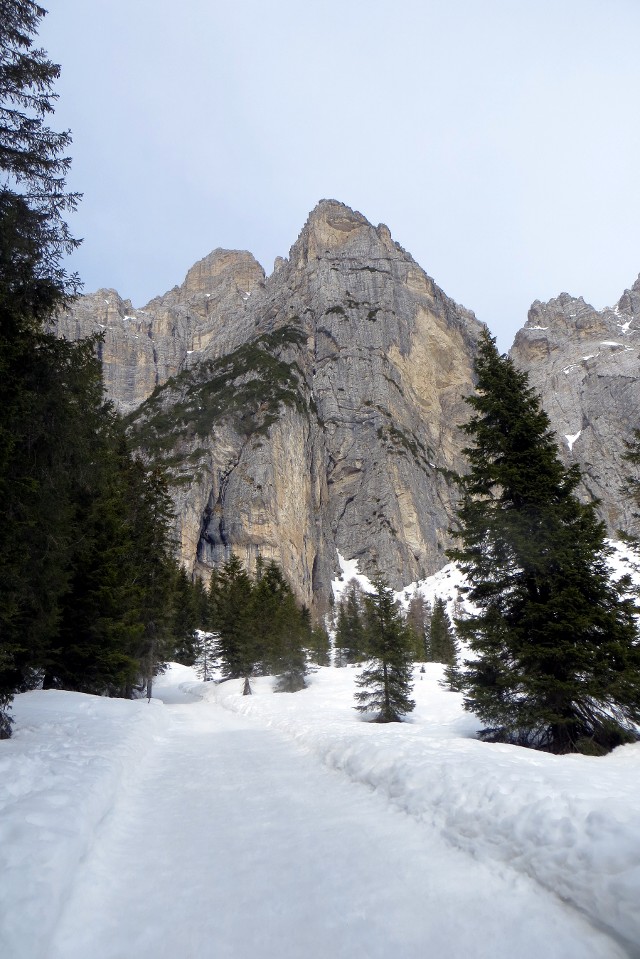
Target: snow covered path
(233, 843)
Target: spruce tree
(556, 661)
(443, 641)
(350, 634)
(234, 621)
(384, 686)
(418, 620)
(33, 283)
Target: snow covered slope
(187, 831)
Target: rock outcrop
(142, 349)
(316, 411)
(312, 412)
(585, 364)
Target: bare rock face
(329, 422)
(141, 349)
(585, 365)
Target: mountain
(302, 414)
(584, 363)
(316, 411)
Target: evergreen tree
(206, 654)
(443, 641)
(418, 620)
(318, 645)
(386, 681)
(34, 535)
(234, 621)
(556, 663)
(350, 633)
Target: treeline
(428, 631)
(88, 584)
(252, 626)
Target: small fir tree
(556, 661)
(386, 681)
(350, 640)
(206, 658)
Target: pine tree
(418, 620)
(318, 645)
(556, 663)
(206, 655)
(443, 641)
(386, 681)
(350, 634)
(234, 621)
(34, 534)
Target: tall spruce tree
(34, 534)
(384, 686)
(233, 620)
(350, 643)
(556, 661)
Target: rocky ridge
(302, 414)
(584, 363)
(315, 411)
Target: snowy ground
(216, 826)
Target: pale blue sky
(498, 139)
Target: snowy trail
(233, 843)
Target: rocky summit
(584, 363)
(316, 411)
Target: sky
(498, 139)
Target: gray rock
(584, 363)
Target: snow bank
(569, 822)
(59, 774)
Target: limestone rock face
(143, 348)
(585, 364)
(328, 420)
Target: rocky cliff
(312, 412)
(316, 410)
(584, 363)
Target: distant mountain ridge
(317, 410)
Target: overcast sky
(498, 139)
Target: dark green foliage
(189, 614)
(442, 640)
(350, 641)
(231, 598)
(33, 239)
(556, 663)
(318, 645)
(32, 161)
(248, 386)
(418, 620)
(386, 681)
(260, 626)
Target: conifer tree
(444, 647)
(206, 654)
(556, 662)
(33, 283)
(418, 620)
(318, 645)
(350, 632)
(234, 621)
(384, 686)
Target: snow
(349, 570)
(571, 438)
(280, 826)
(611, 343)
(537, 327)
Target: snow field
(69, 756)
(206, 828)
(569, 822)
